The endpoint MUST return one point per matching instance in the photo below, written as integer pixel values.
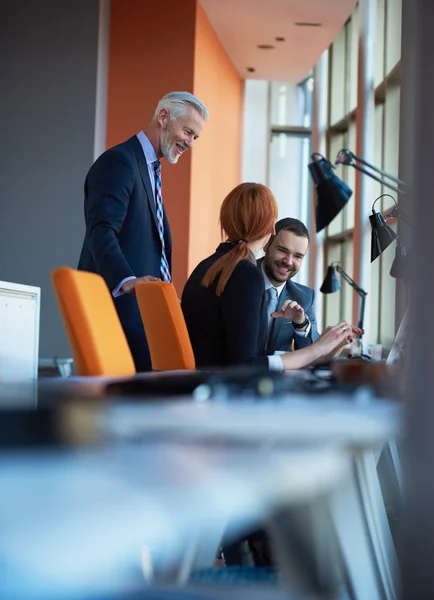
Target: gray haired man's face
(178, 135)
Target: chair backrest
(95, 333)
(166, 331)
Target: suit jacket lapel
(167, 239)
(144, 174)
(146, 182)
(269, 341)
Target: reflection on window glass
(308, 102)
(282, 145)
(291, 103)
(283, 95)
(288, 179)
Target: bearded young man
(127, 238)
(284, 255)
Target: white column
(255, 132)
(319, 144)
(364, 149)
(102, 78)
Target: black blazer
(229, 329)
(282, 332)
(122, 237)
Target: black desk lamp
(382, 236)
(331, 284)
(332, 194)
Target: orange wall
(152, 53)
(155, 49)
(216, 163)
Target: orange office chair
(166, 331)
(95, 334)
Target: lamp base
(356, 348)
(360, 357)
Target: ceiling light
(251, 69)
(265, 47)
(279, 39)
(306, 24)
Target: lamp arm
(351, 282)
(397, 214)
(377, 170)
(362, 311)
(394, 188)
(405, 219)
(346, 157)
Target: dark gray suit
(282, 332)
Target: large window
(342, 115)
(290, 120)
(277, 144)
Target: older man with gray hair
(127, 236)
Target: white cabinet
(19, 331)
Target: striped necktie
(164, 265)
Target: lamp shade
(332, 194)
(331, 282)
(400, 262)
(381, 236)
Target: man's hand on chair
(129, 286)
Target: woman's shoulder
(247, 273)
(247, 266)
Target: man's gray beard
(166, 149)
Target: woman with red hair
(222, 299)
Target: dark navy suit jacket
(122, 237)
(229, 329)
